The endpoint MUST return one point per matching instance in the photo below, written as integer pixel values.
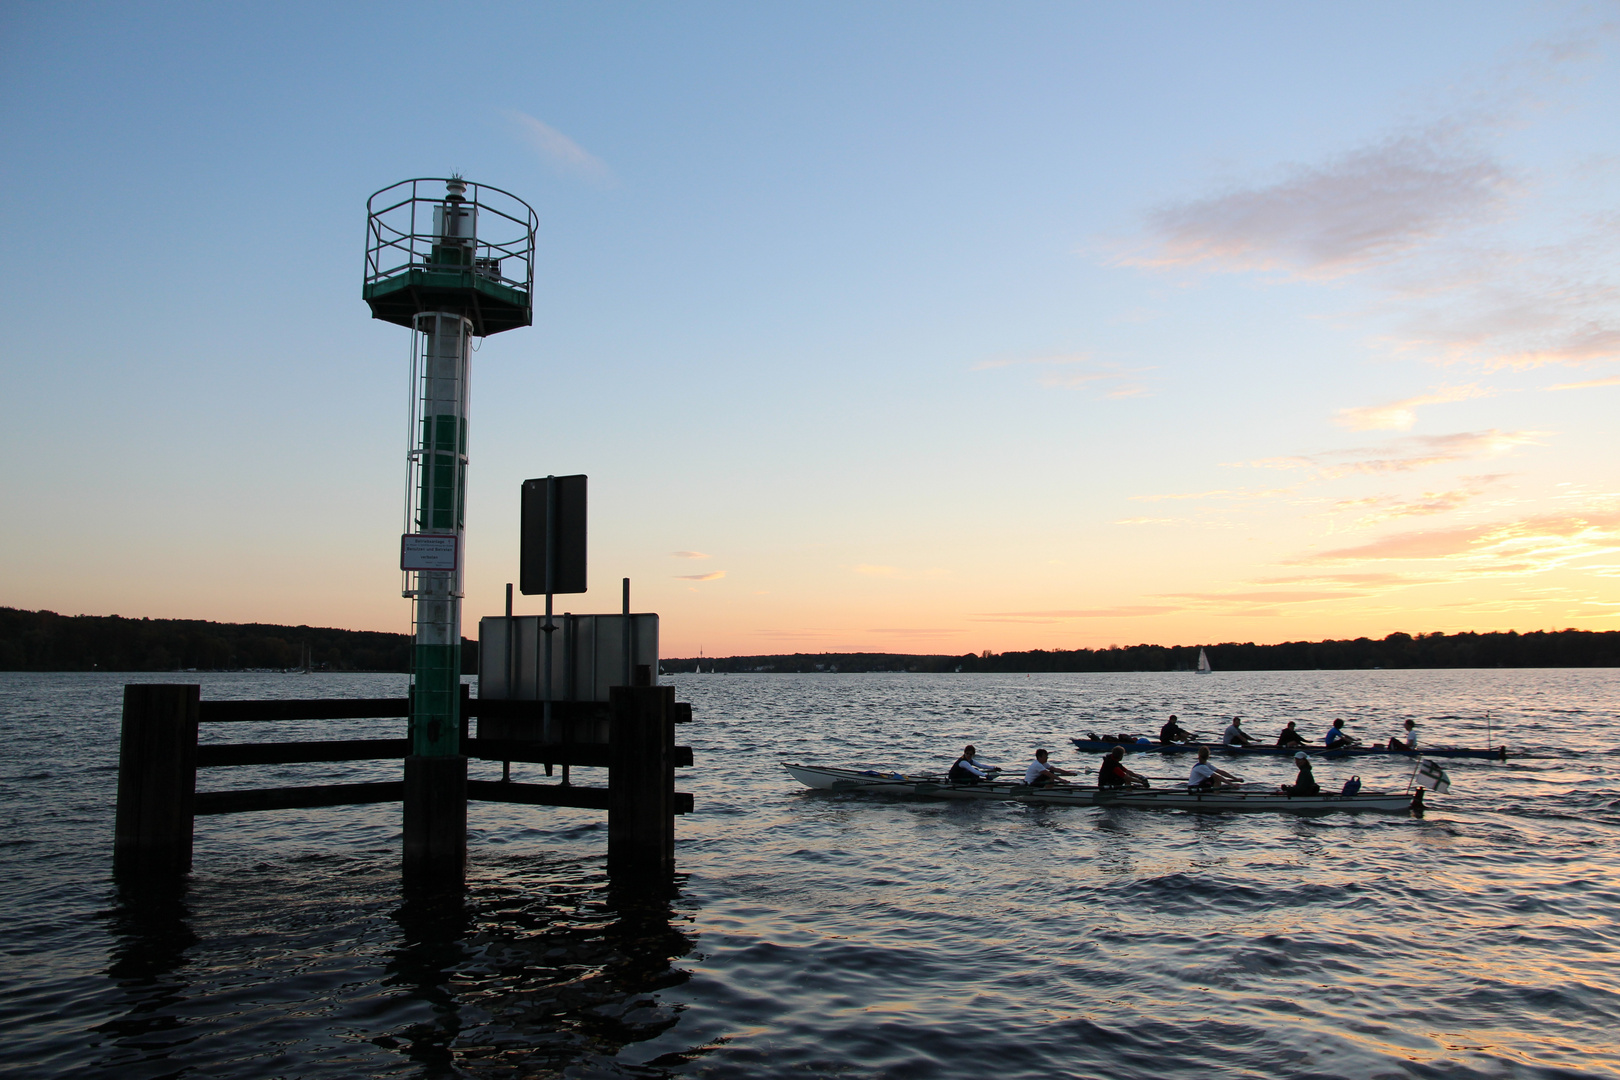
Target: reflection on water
(151, 933)
(532, 968)
(823, 933)
(434, 927)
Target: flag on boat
(1433, 777)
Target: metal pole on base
(625, 643)
(435, 812)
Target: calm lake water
(824, 934)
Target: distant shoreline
(46, 641)
(1504, 649)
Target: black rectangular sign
(554, 505)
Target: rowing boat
(1102, 746)
(1175, 798)
(1229, 799)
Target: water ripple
(830, 934)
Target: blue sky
(934, 326)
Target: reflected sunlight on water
(820, 933)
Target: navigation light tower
(452, 261)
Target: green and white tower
(452, 261)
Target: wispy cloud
(1423, 451)
(1590, 384)
(1235, 494)
(713, 576)
(558, 150)
(1524, 318)
(1435, 225)
(1527, 545)
(688, 555)
(919, 632)
(896, 572)
(797, 633)
(1077, 371)
(1375, 509)
(1081, 613)
(1363, 580)
(1359, 209)
(1568, 346)
(1401, 415)
(1437, 544)
(1268, 598)
(1405, 455)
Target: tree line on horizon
(46, 641)
(1538, 648)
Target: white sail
(1203, 663)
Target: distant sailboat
(1203, 663)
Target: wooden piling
(157, 779)
(435, 820)
(641, 783)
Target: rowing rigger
(933, 787)
(1102, 746)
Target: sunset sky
(926, 327)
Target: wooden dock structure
(632, 735)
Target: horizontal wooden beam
(297, 798)
(303, 798)
(589, 755)
(575, 795)
(593, 755)
(224, 712)
(516, 709)
(220, 712)
(286, 753)
(513, 709)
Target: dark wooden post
(641, 783)
(157, 779)
(435, 821)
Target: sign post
(552, 559)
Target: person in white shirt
(1206, 777)
(1040, 773)
(968, 770)
(1408, 741)
(1339, 738)
(1235, 735)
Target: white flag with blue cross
(1433, 777)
